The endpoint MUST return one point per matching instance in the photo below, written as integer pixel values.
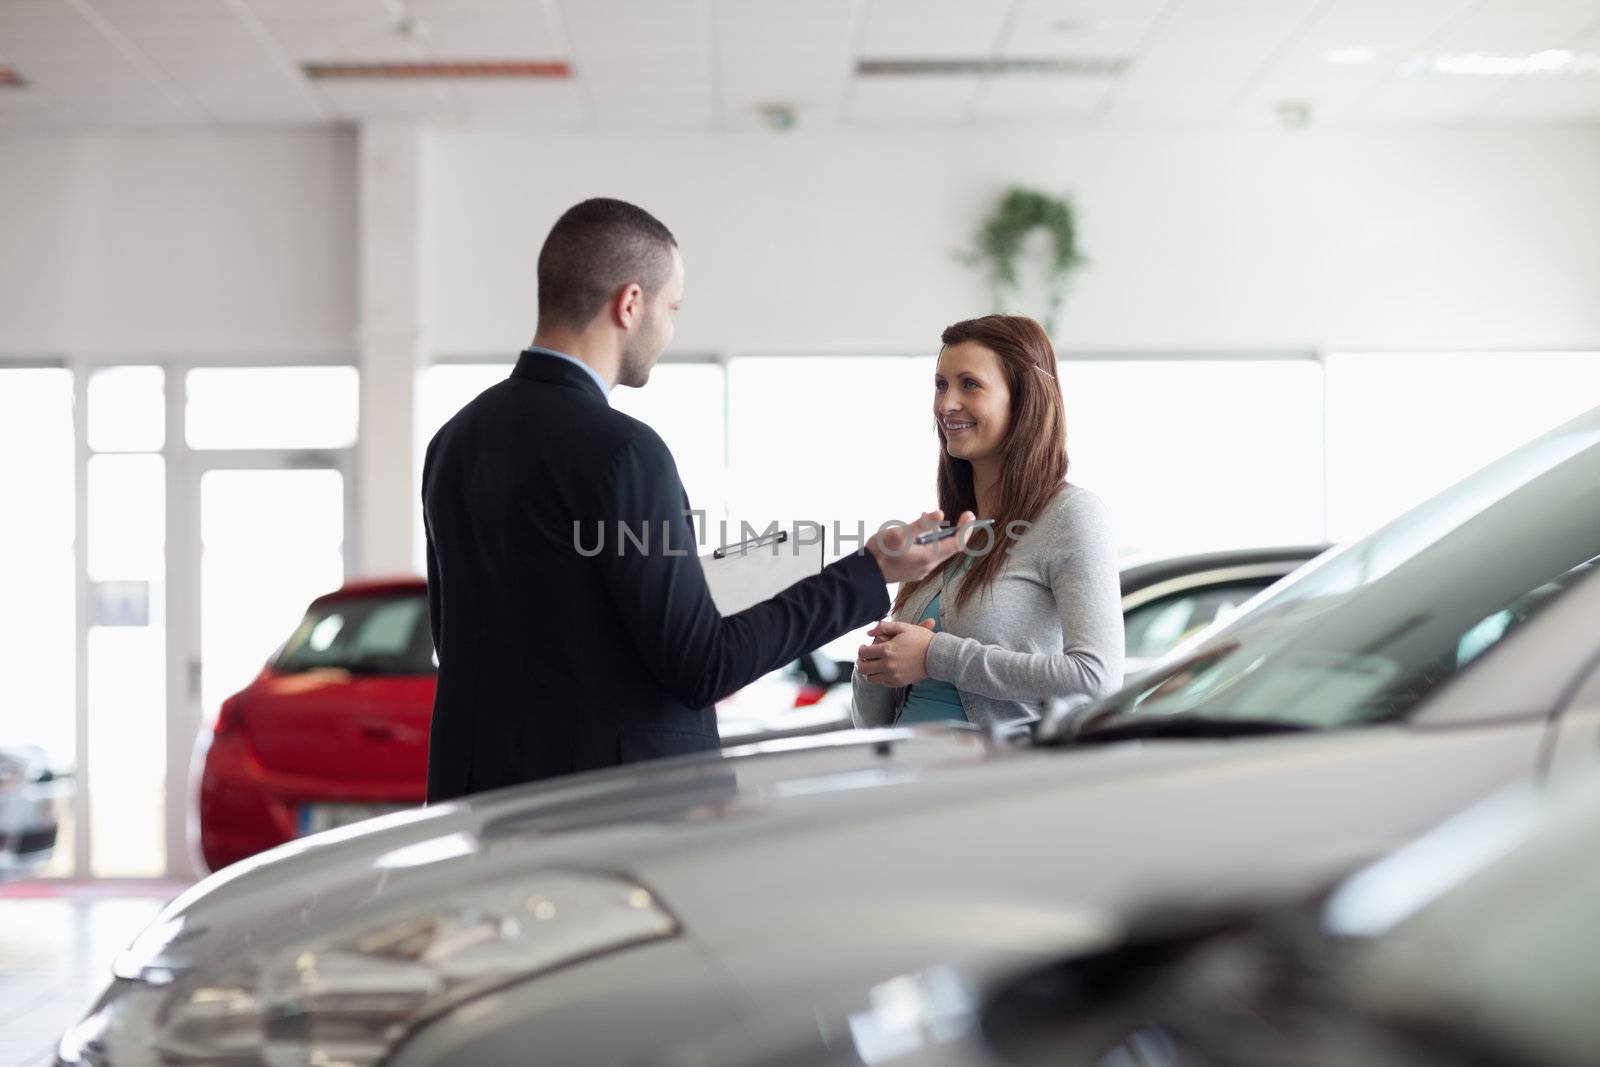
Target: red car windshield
(386, 634)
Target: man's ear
(628, 305)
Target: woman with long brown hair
(1031, 609)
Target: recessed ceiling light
(1068, 66)
(1487, 64)
(516, 68)
(1358, 56)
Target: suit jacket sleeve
(434, 619)
(697, 654)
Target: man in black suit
(554, 658)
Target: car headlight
(12, 769)
(350, 997)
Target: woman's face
(971, 401)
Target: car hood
(932, 837)
(605, 819)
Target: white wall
(1199, 239)
(178, 243)
(245, 243)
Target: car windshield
(386, 634)
(1367, 632)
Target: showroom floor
(56, 945)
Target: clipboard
(745, 573)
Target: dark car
(1167, 600)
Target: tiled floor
(56, 945)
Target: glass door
(271, 541)
(264, 522)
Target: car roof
(1143, 575)
(404, 583)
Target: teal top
(931, 700)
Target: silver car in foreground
(837, 896)
(1472, 946)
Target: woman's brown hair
(1033, 456)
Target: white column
(391, 341)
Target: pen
(949, 531)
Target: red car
(333, 730)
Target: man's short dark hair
(595, 249)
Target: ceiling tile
(260, 99)
(785, 51)
(932, 29)
(912, 101)
(1391, 33)
(491, 36)
(325, 8)
(18, 24)
(555, 104)
(817, 112)
(1547, 101)
(388, 100)
(1426, 100)
(1035, 96)
(625, 105)
(86, 50)
(1181, 101)
(1051, 28)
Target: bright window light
(1194, 455)
(1403, 426)
(127, 409)
(272, 407)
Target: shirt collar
(600, 382)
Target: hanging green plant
(1022, 211)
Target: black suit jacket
(554, 658)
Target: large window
(1403, 426)
(37, 635)
(1193, 455)
(1190, 454)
